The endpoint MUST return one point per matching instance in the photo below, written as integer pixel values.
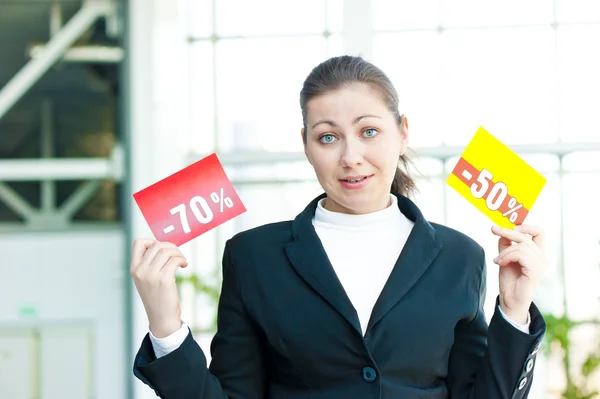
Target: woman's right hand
(153, 267)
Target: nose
(352, 153)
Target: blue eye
(326, 138)
(370, 132)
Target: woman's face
(354, 143)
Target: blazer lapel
(420, 250)
(310, 260)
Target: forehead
(346, 102)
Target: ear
(304, 145)
(404, 135)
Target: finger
(520, 258)
(154, 249)
(504, 243)
(509, 234)
(510, 258)
(145, 266)
(527, 245)
(140, 246)
(537, 233)
(506, 251)
(162, 257)
(173, 263)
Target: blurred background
(101, 98)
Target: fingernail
(496, 259)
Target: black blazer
(287, 330)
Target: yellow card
(496, 180)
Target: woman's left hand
(522, 265)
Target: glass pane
(205, 305)
(199, 18)
(465, 13)
(582, 162)
(582, 244)
(274, 203)
(577, 10)
(430, 198)
(405, 14)
(503, 80)
(413, 63)
(579, 80)
(425, 166)
(335, 46)
(273, 171)
(258, 88)
(335, 15)
(545, 214)
(543, 163)
(201, 97)
(205, 264)
(450, 164)
(269, 17)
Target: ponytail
(403, 184)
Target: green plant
(211, 292)
(558, 334)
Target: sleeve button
(529, 366)
(537, 348)
(522, 383)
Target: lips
(354, 179)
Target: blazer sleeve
(237, 369)
(494, 362)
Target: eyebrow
(354, 122)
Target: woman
(359, 296)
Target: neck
(377, 219)
(333, 206)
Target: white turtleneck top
(383, 233)
(363, 274)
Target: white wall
(62, 315)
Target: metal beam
(56, 47)
(48, 189)
(79, 198)
(13, 228)
(56, 18)
(83, 54)
(113, 167)
(60, 169)
(238, 158)
(15, 202)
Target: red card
(190, 202)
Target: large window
(250, 68)
(526, 71)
